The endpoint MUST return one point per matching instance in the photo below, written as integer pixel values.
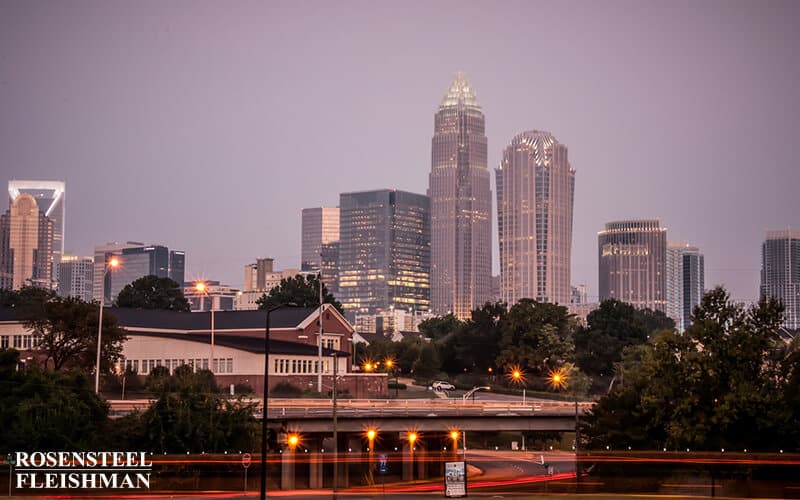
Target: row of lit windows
(298, 366)
(145, 366)
(19, 341)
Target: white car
(441, 385)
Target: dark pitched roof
(250, 344)
(374, 337)
(288, 317)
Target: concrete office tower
(780, 272)
(535, 192)
(49, 196)
(320, 226)
(136, 261)
(685, 282)
(384, 252)
(461, 205)
(633, 263)
(26, 245)
(255, 274)
(75, 277)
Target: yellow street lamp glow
(367, 366)
(200, 286)
(389, 363)
(412, 437)
(293, 440)
(558, 378)
(516, 374)
(454, 435)
(113, 262)
(371, 433)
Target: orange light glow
(454, 435)
(293, 440)
(200, 286)
(371, 433)
(368, 366)
(558, 378)
(389, 363)
(113, 262)
(412, 437)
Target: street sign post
(246, 461)
(10, 461)
(455, 479)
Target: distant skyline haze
(208, 126)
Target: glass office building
(384, 252)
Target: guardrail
(321, 408)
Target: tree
(66, 333)
(727, 382)
(41, 410)
(537, 337)
(152, 292)
(28, 301)
(611, 328)
(300, 290)
(439, 326)
(190, 416)
(475, 344)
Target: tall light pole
(319, 341)
(110, 264)
(265, 403)
(202, 287)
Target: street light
(110, 264)
(454, 435)
(412, 439)
(371, 435)
(265, 403)
(202, 287)
(517, 376)
(390, 366)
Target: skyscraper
(633, 258)
(685, 282)
(49, 196)
(461, 242)
(535, 191)
(136, 261)
(26, 245)
(780, 272)
(384, 251)
(320, 226)
(75, 277)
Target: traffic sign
(246, 460)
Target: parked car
(441, 385)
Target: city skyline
(146, 162)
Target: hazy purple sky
(207, 126)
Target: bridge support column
(422, 471)
(408, 463)
(315, 462)
(287, 469)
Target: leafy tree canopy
(28, 301)
(300, 290)
(537, 337)
(727, 382)
(439, 326)
(190, 416)
(152, 292)
(42, 410)
(609, 329)
(67, 335)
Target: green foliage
(67, 332)
(286, 390)
(300, 290)
(152, 292)
(42, 410)
(440, 326)
(475, 344)
(537, 337)
(728, 382)
(189, 416)
(611, 328)
(28, 301)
